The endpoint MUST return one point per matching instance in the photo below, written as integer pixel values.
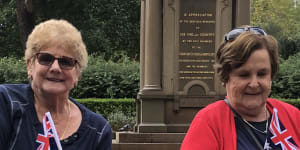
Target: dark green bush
(287, 82)
(12, 70)
(101, 79)
(107, 79)
(105, 107)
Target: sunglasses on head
(64, 62)
(233, 34)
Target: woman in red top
(247, 119)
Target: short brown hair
(233, 54)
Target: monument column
(153, 44)
(151, 69)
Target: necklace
(67, 125)
(69, 116)
(250, 125)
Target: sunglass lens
(45, 59)
(259, 31)
(233, 34)
(66, 62)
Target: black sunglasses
(64, 62)
(233, 34)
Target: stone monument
(178, 41)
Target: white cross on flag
(49, 139)
(278, 136)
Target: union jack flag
(279, 138)
(49, 139)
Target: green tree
(117, 23)
(109, 27)
(261, 12)
(9, 35)
(281, 19)
(287, 82)
(26, 20)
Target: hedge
(108, 79)
(128, 106)
(120, 112)
(12, 70)
(287, 81)
(105, 107)
(101, 79)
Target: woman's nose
(253, 82)
(55, 65)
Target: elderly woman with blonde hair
(55, 56)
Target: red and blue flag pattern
(279, 137)
(49, 139)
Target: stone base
(147, 141)
(161, 128)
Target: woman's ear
(29, 64)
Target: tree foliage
(287, 82)
(281, 19)
(108, 27)
(101, 79)
(10, 44)
(107, 79)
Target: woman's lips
(54, 79)
(252, 93)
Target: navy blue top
(244, 140)
(19, 124)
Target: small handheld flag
(278, 136)
(49, 133)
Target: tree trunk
(26, 21)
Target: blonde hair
(57, 32)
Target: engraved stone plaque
(197, 21)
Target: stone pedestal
(178, 41)
(147, 141)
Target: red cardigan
(213, 128)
